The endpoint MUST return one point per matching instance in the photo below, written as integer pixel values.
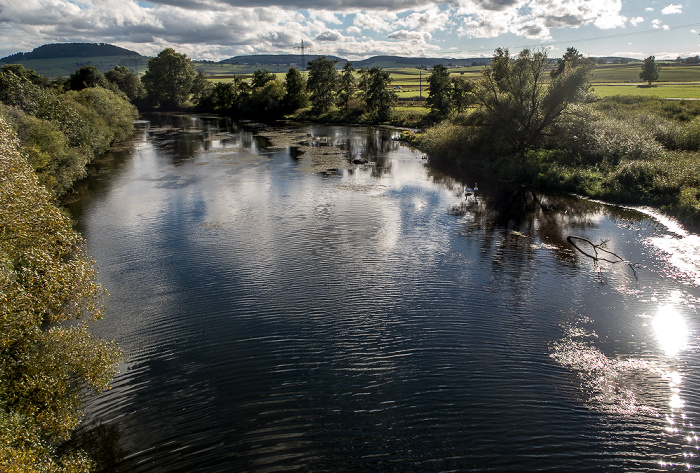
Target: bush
(46, 365)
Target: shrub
(46, 365)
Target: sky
(358, 29)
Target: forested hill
(269, 59)
(62, 50)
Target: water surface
(282, 308)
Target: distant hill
(275, 59)
(381, 61)
(61, 50)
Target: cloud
(535, 19)
(672, 9)
(636, 21)
(656, 23)
(404, 35)
(332, 36)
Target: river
(284, 305)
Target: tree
(127, 82)
(48, 293)
(87, 76)
(571, 58)
(461, 92)
(201, 88)
(261, 77)
(346, 86)
(322, 83)
(297, 96)
(169, 79)
(518, 104)
(650, 70)
(378, 98)
(439, 92)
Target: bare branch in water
(598, 253)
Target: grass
(661, 90)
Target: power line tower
(303, 55)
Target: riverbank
(626, 150)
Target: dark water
(283, 311)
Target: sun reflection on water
(670, 330)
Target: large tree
(650, 70)
(378, 98)
(169, 79)
(297, 96)
(322, 83)
(87, 76)
(346, 87)
(439, 92)
(127, 81)
(519, 103)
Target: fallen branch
(599, 253)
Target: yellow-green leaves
(46, 279)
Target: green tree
(519, 103)
(266, 101)
(571, 58)
(461, 92)
(261, 77)
(322, 83)
(32, 76)
(650, 70)
(346, 86)
(46, 364)
(297, 96)
(439, 92)
(169, 79)
(378, 98)
(87, 76)
(127, 82)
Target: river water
(282, 308)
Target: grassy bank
(631, 150)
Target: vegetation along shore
(527, 118)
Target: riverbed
(317, 298)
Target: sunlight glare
(670, 330)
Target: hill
(60, 50)
(275, 59)
(63, 59)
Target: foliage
(462, 89)
(322, 83)
(650, 70)
(169, 79)
(378, 99)
(439, 92)
(63, 132)
(346, 86)
(261, 77)
(127, 82)
(20, 71)
(87, 76)
(46, 279)
(518, 105)
(297, 96)
(266, 101)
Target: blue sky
(218, 29)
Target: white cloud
(329, 35)
(649, 9)
(656, 23)
(636, 21)
(374, 22)
(672, 9)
